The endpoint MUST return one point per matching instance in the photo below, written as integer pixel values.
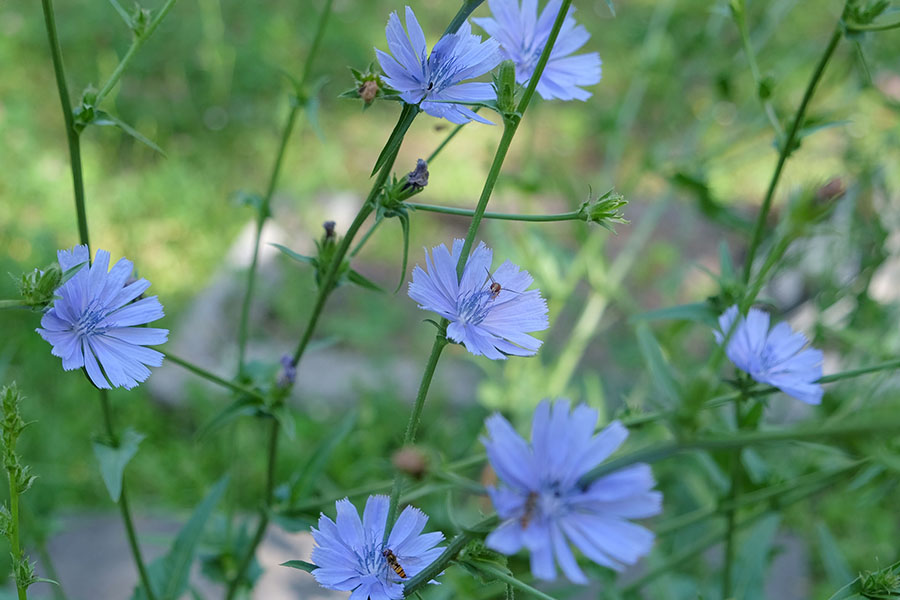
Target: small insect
(430, 86)
(495, 287)
(393, 563)
(530, 505)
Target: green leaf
(393, 144)
(300, 564)
(404, 225)
(725, 264)
(170, 574)
(753, 558)
(242, 407)
(298, 257)
(361, 281)
(114, 459)
(282, 414)
(319, 458)
(612, 9)
(836, 568)
(660, 371)
(70, 272)
(312, 107)
(105, 119)
(699, 312)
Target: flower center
(90, 318)
(474, 307)
(372, 561)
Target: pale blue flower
(523, 34)
(431, 81)
(95, 324)
(488, 322)
(544, 508)
(351, 554)
(775, 357)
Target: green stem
(885, 366)
(508, 579)
(739, 16)
(733, 494)
(71, 132)
(462, 15)
(859, 28)
(664, 450)
(448, 555)
(14, 528)
(317, 41)
(262, 216)
(123, 503)
(235, 583)
(9, 304)
(415, 416)
(446, 141)
(686, 553)
(234, 387)
(465, 212)
(136, 44)
(787, 147)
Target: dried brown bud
(368, 90)
(418, 177)
(411, 461)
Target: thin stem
(449, 553)
(262, 216)
(664, 450)
(787, 147)
(462, 15)
(317, 41)
(740, 19)
(8, 304)
(136, 43)
(123, 503)
(733, 494)
(885, 366)
(466, 212)
(14, 528)
(409, 437)
(235, 583)
(71, 132)
(234, 387)
(859, 28)
(446, 141)
(509, 580)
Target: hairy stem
(787, 147)
(14, 529)
(733, 494)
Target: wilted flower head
(523, 35)
(544, 508)
(352, 554)
(774, 357)
(94, 323)
(491, 314)
(433, 80)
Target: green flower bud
(505, 85)
(604, 210)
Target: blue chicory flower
(774, 357)
(523, 35)
(352, 554)
(543, 506)
(432, 81)
(490, 322)
(94, 323)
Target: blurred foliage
(676, 126)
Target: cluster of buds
(862, 12)
(327, 249)
(37, 288)
(604, 210)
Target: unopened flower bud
(505, 85)
(411, 461)
(329, 229)
(288, 372)
(604, 210)
(368, 90)
(831, 190)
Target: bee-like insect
(393, 563)
(530, 505)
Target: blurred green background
(675, 126)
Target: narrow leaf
(300, 564)
(312, 108)
(836, 568)
(393, 143)
(170, 574)
(355, 277)
(660, 370)
(298, 257)
(612, 9)
(699, 312)
(404, 225)
(114, 459)
(319, 458)
(239, 408)
(105, 119)
(71, 272)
